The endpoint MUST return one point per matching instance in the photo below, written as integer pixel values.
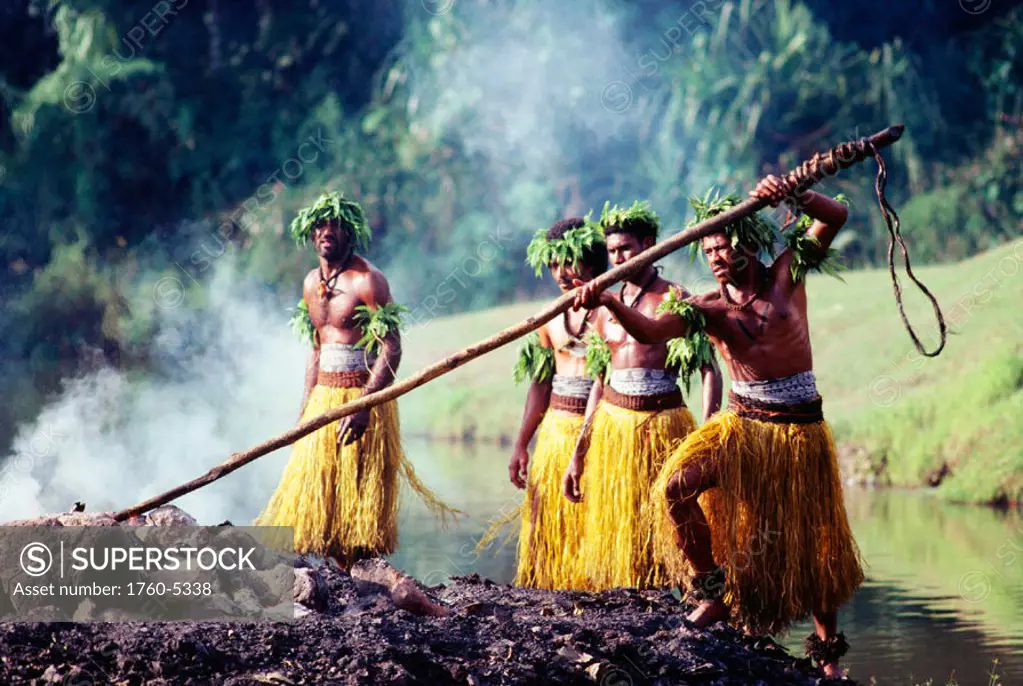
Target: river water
(943, 597)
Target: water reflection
(944, 589)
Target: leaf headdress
(628, 217)
(333, 207)
(752, 230)
(567, 250)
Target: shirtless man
(634, 418)
(554, 360)
(766, 467)
(340, 488)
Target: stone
(45, 520)
(310, 589)
(86, 611)
(87, 519)
(170, 515)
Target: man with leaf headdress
(553, 360)
(635, 415)
(340, 488)
(753, 497)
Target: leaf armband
(535, 362)
(675, 304)
(807, 252)
(690, 353)
(301, 324)
(378, 324)
(598, 357)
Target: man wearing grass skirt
(340, 489)
(753, 497)
(635, 416)
(553, 360)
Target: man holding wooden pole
(635, 415)
(340, 489)
(769, 542)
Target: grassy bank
(906, 414)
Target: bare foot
(708, 612)
(832, 670)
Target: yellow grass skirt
(627, 451)
(777, 519)
(344, 503)
(551, 524)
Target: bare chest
(338, 311)
(767, 326)
(626, 349)
(568, 333)
(615, 333)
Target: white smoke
(113, 439)
(529, 87)
(551, 95)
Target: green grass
(962, 408)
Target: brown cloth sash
(353, 379)
(567, 403)
(644, 403)
(801, 413)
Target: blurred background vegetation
(132, 132)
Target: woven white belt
(641, 381)
(343, 357)
(572, 386)
(790, 390)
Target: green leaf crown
(333, 207)
(565, 251)
(753, 230)
(628, 217)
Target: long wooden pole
(713, 225)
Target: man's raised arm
(829, 215)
